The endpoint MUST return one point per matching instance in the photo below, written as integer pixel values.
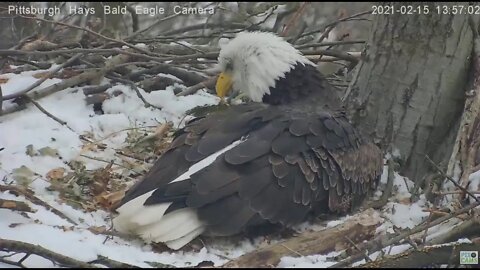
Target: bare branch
(31, 197)
(15, 205)
(91, 75)
(329, 43)
(386, 240)
(47, 76)
(209, 84)
(23, 247)
(56, 119)
(200, 26)
(322, 29)
(87, 30)
(134, 88)
(451, 179)
(358, 228)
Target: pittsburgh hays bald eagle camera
(288, 154)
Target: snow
(405, 216)
(18, 82)
(31, 127)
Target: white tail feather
(180, 242)
(172, 226)
(123, 222)
(150, 214)
(149, 222)
(177, 228)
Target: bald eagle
(287, 155)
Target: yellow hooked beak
(224, 84)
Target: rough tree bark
(409, 91)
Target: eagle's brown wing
(286, 167)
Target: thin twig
(86, 30)
(31, 197)
(385, 241)
(135, 88)
(58, 120)
(209, 83)
(8, 262)
(23, 247)
(442, 193)
(294, 19)
(336, 22)
(367, 258)
(132, 36)
(408, 239)
(109, 162)
(200, 26)
(329, 43)
(451, 179)
(23, 41)
(189, 47)
(388, 189)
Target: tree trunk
(409, 91)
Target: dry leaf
(56, 173)
(98, 229)
(162, 129)
(48, 151)
(29, 150)
(23, 175)
(67, 228)
(89, 147)
(109, 200)
(39, 45)
(3, 80)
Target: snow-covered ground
(31, 128)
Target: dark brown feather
(295, 158)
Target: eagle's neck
(303, 85)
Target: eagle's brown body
(299, 156)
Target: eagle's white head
(252, 62)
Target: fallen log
(358, 228)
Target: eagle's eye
(229, 65)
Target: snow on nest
(31, 127)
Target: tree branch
(16, 190)
(209, 84)
(56, 119)
(91, 75)
(22, 247)
(359, 228)
(39, 82)
(451, 179)
(386, 240)
(86, 30)
(15, 206)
